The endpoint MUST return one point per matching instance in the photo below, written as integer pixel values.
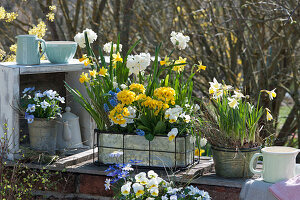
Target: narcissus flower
(85, 60)
(93, 73)
(102, 71)
(269, 116)
(233, 103)
(199, 152)
(117, 57)
(272, 93)
(180, 64)
(165, 62)
(200, 66)
(84, 77)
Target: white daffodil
(152, 174)
(107, 47)
(172, 134)
(215, 85)
(179, 40)
(154, 191)
(203, 142)
(238, 95)
(125, 189)
(272, 93)
(138, 189)
(233, 103)
(123, 86)
(226, 87)
(269, 116)
(138, 63)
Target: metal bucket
(233, 163)
(42, 135)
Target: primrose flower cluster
(39, 104)
(127, 98)
(149, 186)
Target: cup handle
(43, 49)
(297, 171)
(254, 171)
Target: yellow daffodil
(272, 93)
(85, 59)
(102, 71)
(84, 77)
(179, 68)
(199, 152)
(200, 66)
(269, 116)
(93, 73)
(117, 57)
(165, 62)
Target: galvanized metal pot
(42, 135)
(233, 163)
(160, 152)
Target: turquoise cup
(60, 52)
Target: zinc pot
(42, 135)
(160, 152)
(233, 163)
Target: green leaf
(160, 128)
(149, 136)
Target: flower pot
(160, 152)
(42, 135)
(233, 163)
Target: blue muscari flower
(113, 94)
(113, 102)
(106, 108)
(140, 132)
(118, 90)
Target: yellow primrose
(126, 97)
(137, 88)
(165, 62)
(200, 66)
(118, 113)
(52, 8)
(85, 59)
(272, 93)
(102, 71)
(179, 68)
(84, 77)
(117, 57)
(93, 73)
(269, 116)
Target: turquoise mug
(60, 52)
(28, 52)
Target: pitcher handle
(254, 171)
(297, 169)
(43, 49)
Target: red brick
(221, 193)
(94, 185)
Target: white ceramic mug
(279, 163)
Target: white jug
(68, 131)
(279, 163)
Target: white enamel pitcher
(279, 163)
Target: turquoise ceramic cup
(60, 52)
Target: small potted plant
(146, 115)
(232, 128)
(41, 110)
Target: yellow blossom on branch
(13, 48)
(2, 13)
(39, 30)
(50, 16)
(11, 16)
(2, 54)
(52, 8)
